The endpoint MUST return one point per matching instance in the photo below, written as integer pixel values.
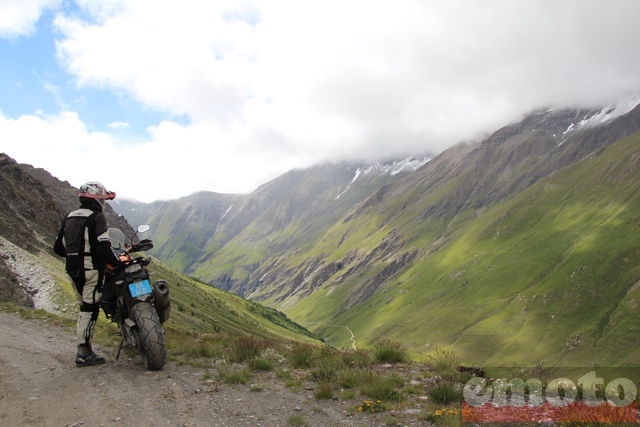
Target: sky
(159, 99)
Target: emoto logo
(590, 397)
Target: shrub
(325, 391)
(387, 351)
(349, 378)
(301, 356)
(326, 370)
(357, 358)
(382, 388)
(445, 393)
(261, 364)
(233, 376)
(446, 363)
(245, 349)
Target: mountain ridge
(521, 247)
(320, 264)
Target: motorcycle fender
(129, 323)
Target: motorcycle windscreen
(140, 288)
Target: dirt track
(41, 386)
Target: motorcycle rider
(84, 242)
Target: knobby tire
(150, 336)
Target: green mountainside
(523, 248)
(548, 276)
(201, 309)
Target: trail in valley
(353, 336)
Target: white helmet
(95, 190)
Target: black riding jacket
(83, 239)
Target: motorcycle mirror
(141, 229)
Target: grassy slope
(199, 308)
(549, 276)
(290, 214)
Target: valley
(523, 247)
(520, 248)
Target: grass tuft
(231, 375)
(382, 388)
(445, 393)
(297, 421)
(387, 351)
(324, 391)
(261, 364)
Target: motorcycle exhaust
(161, 301)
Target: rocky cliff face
(32, 204)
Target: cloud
(260, 87)
(184, 58)
(422, 72)
(176, 159)
(39, 139)
(118, 125)
(18, 17)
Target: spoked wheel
(150, 336)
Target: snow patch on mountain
(410, 164)
(605, 115)
(222, 217)
(358, 172)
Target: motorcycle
(130, 300)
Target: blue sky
(32, 80)
(226, 95)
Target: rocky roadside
(40, 386)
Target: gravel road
(41, 386)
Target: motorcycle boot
(87, 357)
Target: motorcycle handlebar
(128, 261)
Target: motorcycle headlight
(132, 268)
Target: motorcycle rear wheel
(150, 336)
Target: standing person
(84, 242)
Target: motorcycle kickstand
(119, 349)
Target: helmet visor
(109, 195)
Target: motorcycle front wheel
(150, 336)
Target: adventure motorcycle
(129, 299)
